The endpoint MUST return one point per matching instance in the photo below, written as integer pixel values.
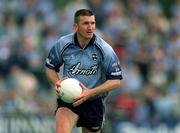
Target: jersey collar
(90, 42)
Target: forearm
(105, 87)
(87, 93)
(52, 75)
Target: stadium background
(144, 33)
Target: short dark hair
(82, 12)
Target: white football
(69, 89)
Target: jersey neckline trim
(90, 42)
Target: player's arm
(53, 63)
(52, 75)
(54, 78)
(105, 87)
(112, 69)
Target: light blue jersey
(92, 65)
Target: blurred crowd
(146, 40)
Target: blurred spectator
(145, 39)
(125, 105)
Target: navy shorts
(91, 113)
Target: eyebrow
(87, 22)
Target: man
(92, 61)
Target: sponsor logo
(116, 73)
(75, 69)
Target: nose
(91, 27)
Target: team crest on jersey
(72, 56)
(94, 57)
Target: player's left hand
(83, 97)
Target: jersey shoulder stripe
(105, 48)
(64, 40)
(63, 43)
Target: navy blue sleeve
(52, 61)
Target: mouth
(89, 33)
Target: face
(86, 26)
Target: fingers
(58, 85)
(79, 101)
(83, 97)
(57, 89)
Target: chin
(90, 36)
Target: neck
(83, 42)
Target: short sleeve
(54, 61)
(111, 65)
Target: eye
(89, 23)
(86, 23)
(92, 23)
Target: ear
(75, 27)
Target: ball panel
(70, 89)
